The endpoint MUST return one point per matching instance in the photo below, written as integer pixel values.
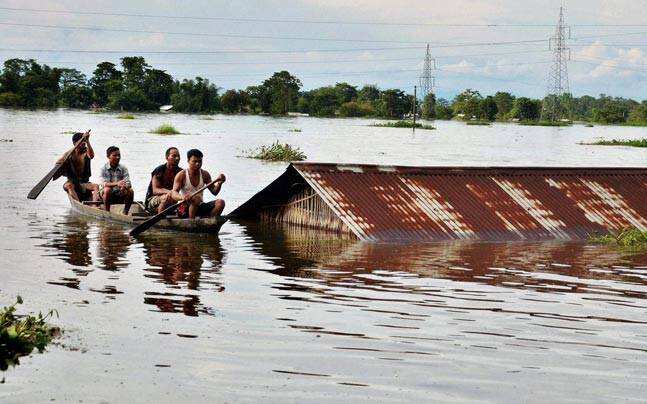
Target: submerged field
(284, 314)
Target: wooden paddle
(33, 194)
(143, 226)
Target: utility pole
(427, 80)
(558, 83)
(415, 99)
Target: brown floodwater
(286, 314)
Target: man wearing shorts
(78, 172)
(158, 196)
(116, 187)
(190, 180)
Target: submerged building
(420, 204)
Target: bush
(10, 100)
(403, 124)
(277, 152)
(621, 142)
(356, 109)
(166, 129)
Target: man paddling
(190, 180)
(116, 187)
(160, 188)
(78, 171)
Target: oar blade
(36, 190)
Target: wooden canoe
(138, 214)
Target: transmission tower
(558, 83)
(427, 80)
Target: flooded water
(286, 314)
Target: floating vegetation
(403, 124)
(620, 142)
(545, 123)
(206, 118)
(165, 129)
(68, 132)
(630, 238)
(6, 140)
(296, 130)
(478, 123)
(126, 116)
(19, 335)
(276, 152)
(588, 125)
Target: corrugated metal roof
(388, 203)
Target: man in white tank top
(190, 180)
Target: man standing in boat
(116, 187)
(190, 180)
(78, 171)
(160, 188)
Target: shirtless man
(158, 196)
(190, 180)
(78, 171)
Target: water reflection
(183, 261)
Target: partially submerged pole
(415, 99)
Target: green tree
(259, 99)
(369, 93)
(638, 115)
(356, 109)
(504, 102)
(283, 91)
(345, 93)
(105, 81)
(195, 96)
(230, 102)
(526, 109)
(394, 104)
(75, 92)
(444, 109)
(488, 109)
(467, 104)
(158, 87)
(429, 106)
(324, 102)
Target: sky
(237, 44)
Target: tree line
(136, 86)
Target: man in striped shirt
(116, 186)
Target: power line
(302, 21)
(611, 66)
(436, 45)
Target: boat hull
(137, 215)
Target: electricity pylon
(558, 83)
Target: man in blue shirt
(116, 186)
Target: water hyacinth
(630, 238)
(20, 335)
(277, 152)
(165, 129)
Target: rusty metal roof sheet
(394, 203)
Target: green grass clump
(165, 129)
(545, 123)
(206, 118)
(403, 124)
(629, 238)
(297, 130)
(20, 335)
(478, 123)
(620, 142)
(126, 116)
(277, 152)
